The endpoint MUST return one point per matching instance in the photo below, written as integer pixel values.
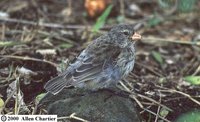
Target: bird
(103, 63)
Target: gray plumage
(104, 62)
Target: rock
(100, 106)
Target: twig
(137, 101)
(7, 100)
(156, 115)
(3, 32)
(28, 58)
(142, 96)
(122, 7)
(150, 69)
(72, 116)
(50, 25)
(182, 93)
(196, 71)
(56, 36)
(188, 66)
(125, 88)
(152, 100)
(155, 39)
(131, 96)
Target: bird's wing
(88, 65)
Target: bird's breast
(126, 60)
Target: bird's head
(123, 34)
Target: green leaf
(155, 20)
(162, 80)
(186, 5)
(166, 3)
(157, 57)
(193, 116)
(39, 97)
(164, 112)
(120, 19)
(194, 80)
(182, 5)
(9, 43)
(65, 45)
(102, 19)
(1, 103)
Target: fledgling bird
(103, 63)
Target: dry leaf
(95, 7)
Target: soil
(168, 52)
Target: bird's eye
(126, 32)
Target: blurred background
(39, 38)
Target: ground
(39, 38)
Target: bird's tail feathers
(56, 84)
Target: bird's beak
(136, 37)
